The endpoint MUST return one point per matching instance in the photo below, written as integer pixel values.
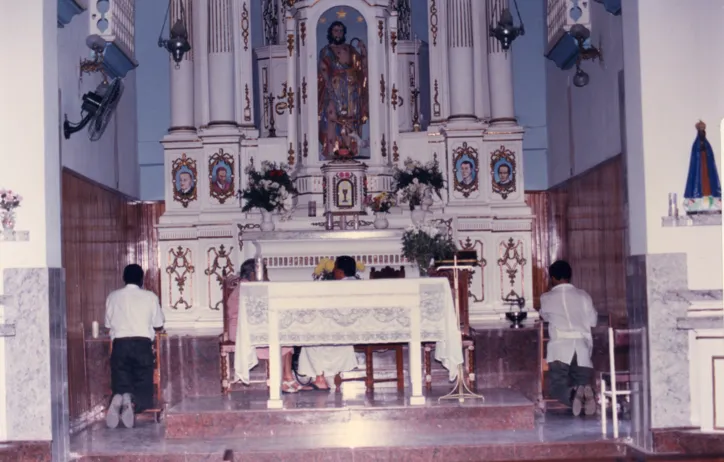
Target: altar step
(244, 415)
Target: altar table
(349, 312)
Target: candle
(671, 205)
(94, 329)
(416, 63)
(676, 206)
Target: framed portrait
(466, 169)
(184, 178)
(221, 176)
(503, 172)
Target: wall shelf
(691, 220)
(14, 236)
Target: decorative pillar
(500, 72)
(200, 50)
(439, 102)
(289, 90)
(391, 90)
(460, 59)
(244, 65)
(480, 37)
(182, 76)
(221, 63)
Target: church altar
(347, 78)
(277, 314)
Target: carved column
(460, 59)
(290, 92)
(182, 77)
(200, 50)
(221, 63)
(244, 82)
(391, 91)
(439, 102)
(500, 72)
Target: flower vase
(427, 200)
(418, 216)
(381, 220)
(267, 220)
(8, 221)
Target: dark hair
(560, 270)
(467, 162)
(330, 39)
(248, 270)
(133, 274)
(504, 165)
(347, 265)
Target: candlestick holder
(270, 105)
(415, 96)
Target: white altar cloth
(412, 311)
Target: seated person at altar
(570, 315)
(247, 273)
(324, 362)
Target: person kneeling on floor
(132, 314)
(570, 315)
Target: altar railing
(114, 22)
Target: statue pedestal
(344, 187)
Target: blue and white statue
(703, 190)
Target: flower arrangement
(381, 203)
(324, 271)
(415, 178)
(423, 243)
(9, 200)
(268, 189)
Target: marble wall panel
(36, 370)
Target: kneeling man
(327, 361)
(570, 315)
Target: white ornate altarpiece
(444, 94)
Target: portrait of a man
(185, 183)
(221, 180)
(467, 173)
(503, 174)
(342, 84)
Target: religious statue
(703, 190)
(343, 94)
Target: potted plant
(381, 205)
(9, 201)
(423, 243)
(415, 183)
(267, 190)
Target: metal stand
(460, 391)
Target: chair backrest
(387, 272)
(463, 293)
(230, 296)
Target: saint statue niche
(343, 95)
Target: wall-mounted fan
(97, 109)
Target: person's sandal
(290, 386)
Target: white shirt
(570, 314)
(133, 312)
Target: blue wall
(529, 87)
(153, 96)
(154, 112)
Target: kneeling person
(132, 314)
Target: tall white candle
(94, 329)
(417, 68)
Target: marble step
(7, 330)
(244, 414)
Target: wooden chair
(385, 273)
(467, 333)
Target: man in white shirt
(132, 314)
(327, 361)
(570, 315)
